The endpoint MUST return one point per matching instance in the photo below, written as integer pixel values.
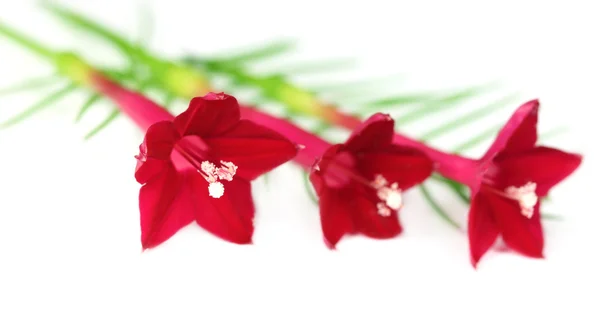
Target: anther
(212, 174)
(526, 197)
(390, 195)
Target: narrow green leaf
(351, 87)
(113, 115)
(437, 208)
(400, 100)
(26, 41)
(169, 99)
(92, 99)
(38, 106)
(459, 189)
(84, 23)
(146, 25)
(132, 50)
(29, 85)
(468, 118)
(315, 67)
(257, 53)
(266, 179)
(308, 187)
(553, 133)
(478, 139)
(320, 128)
(442, 103)
(552, 217)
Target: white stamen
(526, 197)
(216, 189)
(379, 181)
(394, 200)
(211, 173)
(391, 195)
(382, 210)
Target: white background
(69, 231)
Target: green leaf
(169, 99)
(436, 105)
(113, 115)
(31, 84)
(308, 187)
(29, 43)
(38, 106)
(553, 133)
(552, 217)
(459, 189)
(146, 25)
(478, 139)
(468, 118)
(320, 128)
(400, 100)
(92, 99)
(88, 25)
(353, 86)
(315, 67)
(85, 24)
(437, 208)
(257, 53)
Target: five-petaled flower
(360, 183)
(513, 175)
(199, 167)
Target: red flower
(360, 182)
(199, 167)
(514, 175)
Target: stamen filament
(390, 196)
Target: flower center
(390, 195)
(340, 172)
(524, 195)
(212, 174)
(192, 150)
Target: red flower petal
(520, 233)
(374, 133)
(229, 217)
(253, 148)
(406, 166)
(165, 207)
(519, 133)
(542, 165)
(366, 219)
(155, 151)
(208, 116)
(483, 229)
(336, 213)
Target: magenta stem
(143, 111)
(451, 166)
(314, 146)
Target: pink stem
(314, 146)
(452, 166)
(143, 111)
